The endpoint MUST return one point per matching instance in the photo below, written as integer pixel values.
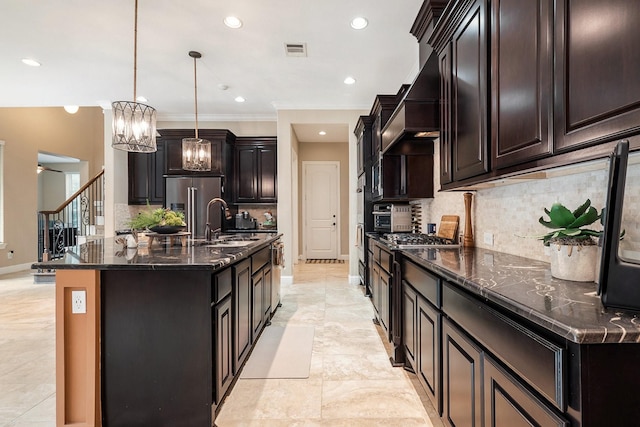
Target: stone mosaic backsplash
(510, 212)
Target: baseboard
(15, 268)
(354, 280)
(286, 280)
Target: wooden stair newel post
(468, 231)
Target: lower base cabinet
(457, 347)
(508, 404)
(258, 315)
(462, 378)
(421, 337)
(428, 363)
(224, 348)
(242, 303)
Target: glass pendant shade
(196, 154)
(134, 127)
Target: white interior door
(321, 196)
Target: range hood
(417, 116)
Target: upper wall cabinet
(460, 39)
(521, 80)
(221, 141)
(255, 170)
(533, 85)
(145, 177)
(597, 89)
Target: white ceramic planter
(577, 263)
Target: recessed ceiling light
(223, 86)
(71, 109)
(240, 99)
(359, 23)
(323, 133)
(232, 22)
(141, 99)
(31, 62)
(349, 80)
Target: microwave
(392, 218)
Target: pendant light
(196, 152)
(134, 124)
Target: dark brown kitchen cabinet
(421, 328)
(257, 281)
(255, 170)
(242, 304)
(381, 112)
(462, 33)
(381, 282)
(266, 294)
(462, 378)
(223, 345)
(469, 98)
(521, 80)
(508, 404)
(221, 150)
(597, 90)
(408, 177)
(363, 136)
(409, 325)
(444, 59)
(145, 181)
(222, 318)
(261, 294)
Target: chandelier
(134, 124)
(196, 152)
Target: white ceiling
(86, 51)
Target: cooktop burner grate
(414, 240)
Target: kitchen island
(155, 335)
(496, 340)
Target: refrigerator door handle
(190, 209)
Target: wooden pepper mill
(467, 240)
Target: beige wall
(288, 179)
(328, 152)
(25, 132)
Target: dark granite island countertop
(107, 254)
(524, 286)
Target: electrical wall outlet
(78, 302)
(10, 255)
(488, 239)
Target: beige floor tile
(370, 399)
(272, 399)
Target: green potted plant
(160, 220)
(573, 246)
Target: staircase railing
(78, 218)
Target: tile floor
(351, 382)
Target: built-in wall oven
(392, 218)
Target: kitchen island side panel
(156, 348)
(77, 352)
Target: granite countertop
(162, 254)
(524, 286)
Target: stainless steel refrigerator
(191, 195)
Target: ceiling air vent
(296, 49)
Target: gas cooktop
(416, 240)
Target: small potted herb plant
(573, 246)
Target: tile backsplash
(508, 214)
